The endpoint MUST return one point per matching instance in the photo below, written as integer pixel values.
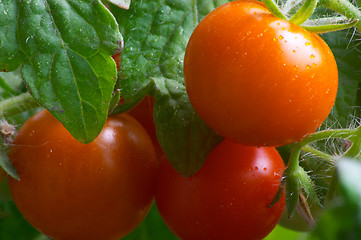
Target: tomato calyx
(350, 14)
(297, 181)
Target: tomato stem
(17, 104)
(297, 178)
(344, 8)
(330, 27)
(355, 148)
(304, 12)
(274, 9)
(333, 133)
(324, 156)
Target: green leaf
(6, 164)
(156, 34)
(184, 137)
(155, 37)
(65, 49)
(343, 220)
(121, 3)
(11, 55)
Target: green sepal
(6, 164)
(292, 191)
(274, 9)
(312, 27)
(304, 12)
(307, 186)
(278, 194)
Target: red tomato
(116, 58)
(257, 79)
(69, 190)
(143, 112)
(227, 198)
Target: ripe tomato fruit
(116, 58)
(257, 79)
(227, 198)
(69, 190)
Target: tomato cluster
(104, 189)
(257, 80)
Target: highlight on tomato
(70, 190)
(228, 198)
(257, 79)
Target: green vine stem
(322, 155)
(17, 104)
(293, 163)
(304, 12)
(330, 27)
(343, 7)
(274, 9)
(355, 148)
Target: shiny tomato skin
(257, 79)
(227, 198)
(69, 190)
